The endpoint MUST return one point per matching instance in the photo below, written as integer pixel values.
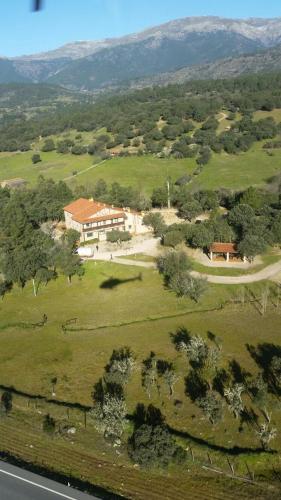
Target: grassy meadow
(253, 168)
(110, 307)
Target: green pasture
(53, 165)
(253, 168)
(114, 306)
(143, 173)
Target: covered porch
(226, 251)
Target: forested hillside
(178, 119)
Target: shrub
(36, 158)
(173, 238)
(6, 402)
(154, 446)
(78, 149)
(184, 285)
(172, 264)
(48, 145)
(156, 221)
(114, 236)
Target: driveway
(147, 246)
(265, 274)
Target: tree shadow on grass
(152, 416)
(195, 386)
(112, 282)
(250, 418)
(149, 415)
(181, 335)
(221, 381)
(239, 374)
(263, 354)
(235, 450)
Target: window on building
(89, 235)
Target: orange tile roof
(83, 210)
(224, 248)
(100, 218)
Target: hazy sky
(62, 21)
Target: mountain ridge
(158, 50)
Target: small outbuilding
(227, 250)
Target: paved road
(268, 272)
(265, 274)
(19, 484)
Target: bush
(36, 158)
(6, 402)
(172, 264)
(48, 145)
(173, 238)
(184, 285)
(78, 149)
(154, 446)
(114, 236)
(182, 181)
(156, 221)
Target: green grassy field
(253, 168)
(53, 165)
(116, 306)
(145, 173)
(275, 113)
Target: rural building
(93, 219)
(226, 250)
(13, 183)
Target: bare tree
(266, 434)
(149, 374)
(170, 379)
(233, 397)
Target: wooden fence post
(230, 466)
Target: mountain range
(196, 47)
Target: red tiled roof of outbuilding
(224, 248)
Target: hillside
(268, 60)
(25, 95)
(212, 134)
(95, 65)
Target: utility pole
(168, 191)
